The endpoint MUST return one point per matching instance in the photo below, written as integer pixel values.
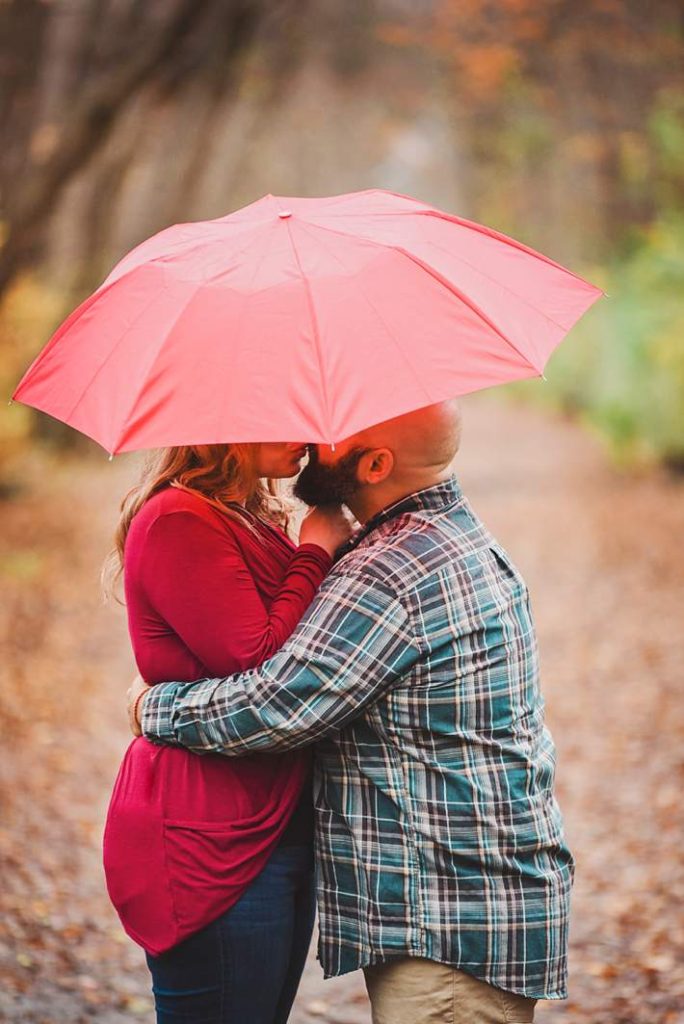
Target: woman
(209, 859)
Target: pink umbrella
(301, 320)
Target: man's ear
(377, 465)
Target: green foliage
(622, 367)
(29, 313)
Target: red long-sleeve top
(206, 596)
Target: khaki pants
(410, 990)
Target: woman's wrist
(137, 709)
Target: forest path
(603, 555)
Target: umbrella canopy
(301, 320)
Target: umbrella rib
(115, 347)
(424, 210)
(165, 259)
(316, 333)
(380, 317)
(510, 291)
(125, 422)
(121, 434)
(72, 319)
(239, 332)
(490, 233)
(501, 237)
(200, 284)
(443, 282)
(468, 302)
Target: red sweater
(186, 834)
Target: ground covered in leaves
(603, 555)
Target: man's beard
(328, 485)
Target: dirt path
(603, 556)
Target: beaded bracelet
(136, 706)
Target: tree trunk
(86, 129)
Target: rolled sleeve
(354, 642)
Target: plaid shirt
(415, 672)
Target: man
(442, 867)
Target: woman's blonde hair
(223, 475)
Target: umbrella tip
(111, 457)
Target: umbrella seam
(468, 302)
(165, 259)
(500, 236)
(316, 334)
(445, 284)
(115, 347)
(124, 424)
(487, 231)
(72, 319)
(66, 325)
(379, 316)
(200, 284)
(504, 288)
(243, 313)
(39, 358)
(426, 210)
(121, 436)
(216, 277)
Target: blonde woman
(209, 859)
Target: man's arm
(353, 644)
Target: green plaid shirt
(415, 672)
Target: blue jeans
(243, 968)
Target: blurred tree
(555, 104)
(70, 72)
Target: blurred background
(560, 123)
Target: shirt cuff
(156, 719)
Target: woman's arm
(195, 576)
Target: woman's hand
(327, 526)
(135, 698)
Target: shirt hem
(372, 959)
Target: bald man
(442, 869)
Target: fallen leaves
(606, 576)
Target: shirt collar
(433, 498)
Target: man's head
(381, 464)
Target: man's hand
(135, 699)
